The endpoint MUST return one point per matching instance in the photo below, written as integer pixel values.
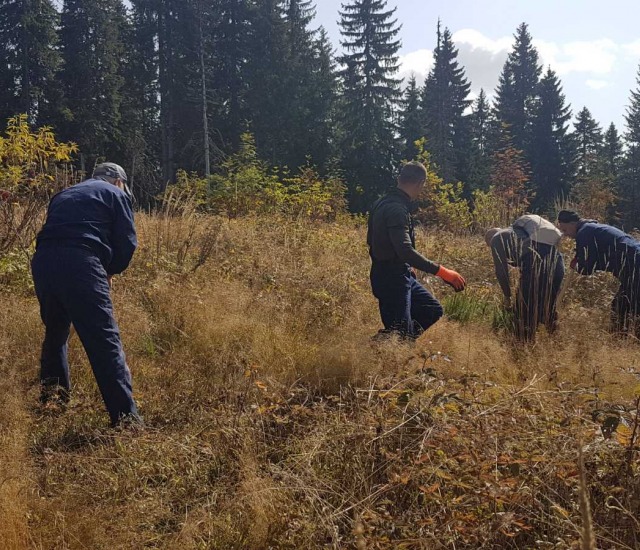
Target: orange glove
(452, 278)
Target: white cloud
(596, 57)
(632, 49)
(597, 84)
(482, 57)
(416, 63)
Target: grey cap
(110, 170)
(115, 171)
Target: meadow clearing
(274, 422)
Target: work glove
(452, 278)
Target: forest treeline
(167, 85)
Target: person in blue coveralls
(601, 247)
(89, 236)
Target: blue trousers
(405, 305)
(72, 287)
(625, 308)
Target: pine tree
(482, 125)
(309, 87)
(92, 79)
(630, 183)
(588, 138)
(370, 97)
(411, 120)
(445, 100)
(267, 78)
(231, 41)
(30, 59)
(552, 150)
(140, 106)
(612, 153)
(322, 100)
(517, 89)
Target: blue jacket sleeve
(123, 237)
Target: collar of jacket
(404, 198)
(583, 222)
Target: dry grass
(274, 423)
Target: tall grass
(274, 422)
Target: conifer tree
(588, 138)
(552, 151)
(267, 78)
(482, 127)
(630, 183)
(231, 39)
(370, 97)
(319, 128)
(517, 89)
(92, 79)
(140, 106)
(612, 152)
(309, 87)
(445, 99)
(29, 59)
(411, 120)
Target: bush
(247, 185)
(33, 165)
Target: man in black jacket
(88, 237)
(406, 307)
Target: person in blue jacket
(89, 236)
(601, 247)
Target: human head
(412, 178)
(568, 222)
(490, 234)
(114, 174)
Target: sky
(594, 46)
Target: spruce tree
(588, 138)
(29, 59)
(444, 102)
(552, 146)
(482, 127)
(411, 120)
(370, 97)
(517, 89)
(318, 131)
(231, 40)
(92, 79)
(612, 153)
(140, 106)
(630, 183)
(267, 78)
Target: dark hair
(568, 216)
(413, 172)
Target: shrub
(33, 165)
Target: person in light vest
(406, 307)
(530, 244)
(89, 236)
(601, 247)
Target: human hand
(452, 278)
